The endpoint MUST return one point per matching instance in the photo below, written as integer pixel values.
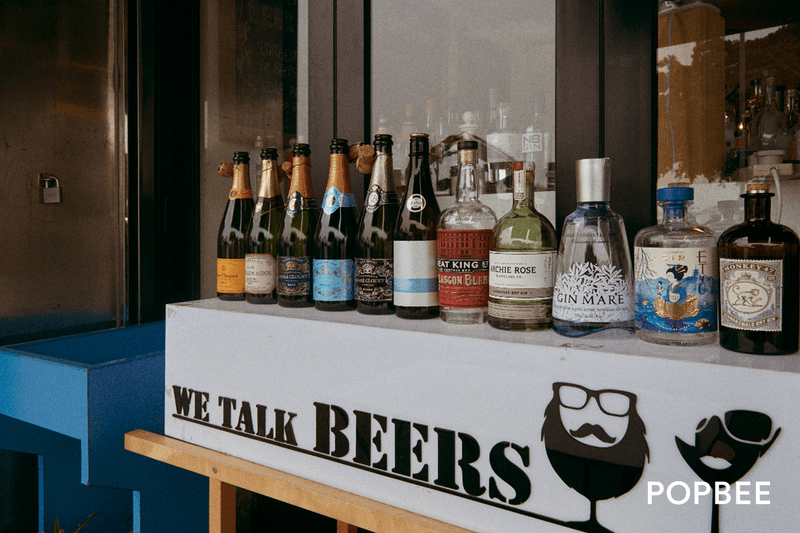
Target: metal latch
(50, 189)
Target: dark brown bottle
(759, 278)
(261, 259)
(375, 239)
(232, 237)
(416, 287)
(296, 242)
(335, 237)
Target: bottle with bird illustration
(676, 276)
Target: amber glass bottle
(416, 289)
(335, 237)
(261, 259)
(375, 238)
(296, 243)
(759, 277)
(232, 237)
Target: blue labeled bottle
(335, 237)
(676, 272)
(594, 285)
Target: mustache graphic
(593, 429)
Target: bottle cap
(757, 188)
(467, 145)
(675, 194)
(419, 143)
(241, 157)
(384, 140)
(339, 146)
(593, 179)
(269, 153)
(301, 150)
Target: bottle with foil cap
(759, 281)
(462, 245)
(335, 237)
(675, 266)
(296, 243)
(416, 290)
(375, 236)
(261, 259)
(594, 287)
(232, 236)
(522, 261)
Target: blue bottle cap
(672, 194)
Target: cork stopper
(756, 188)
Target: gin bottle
(594, 286)
(759, 277)
(675, 266)
(522, 262)
(462, 246)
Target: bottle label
(415, 281)
(334, 199)
(297, 202)
(374, 280)
(463, 264)
(260, 273)
(333, 280)
(532, 142)
(676, 289)
(230, 276)
(240, 193)
(294, 276)
(750, 294)
(537, 312)
(521, 275)
(592, 293)
(377, 197)
(416, 203)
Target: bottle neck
(419, 179)
(467, 184)
(268, 187)
(241, 180)
(339, 174)
(757, 208)
(382, 169)
(674, 212)
(301, 177)
(523, 188)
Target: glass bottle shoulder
(675, 235)
(524, 228)
(467, 215)
(760, 232)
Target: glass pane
(715, 69)
(485, 72)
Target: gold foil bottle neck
(301, 177)
(339, 174)
(269, 185)
(241, 177)
(593, 180)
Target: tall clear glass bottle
(522, 262)
(675, 266)
(759, 281)
(769, 124)
(296, 243)
(335, 237)
(232, 236)
(594, 283)
(462, 246)
(500, 153)
(261, 259)
(375, 237)
(416, 291)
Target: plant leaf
(83, 524)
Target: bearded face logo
(595, 442)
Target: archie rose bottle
(759, 280)
(522, 262)
(462, 241)
(335, 237)
(261, 259)
(675, 267)
(232, 237)
(416, 291)
(296, 242)
(594, 284)
(375, 236)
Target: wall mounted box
(478, 427)
(82, 393)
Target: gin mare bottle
(676, 269)
(594, 287)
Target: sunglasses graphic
(611, 402)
